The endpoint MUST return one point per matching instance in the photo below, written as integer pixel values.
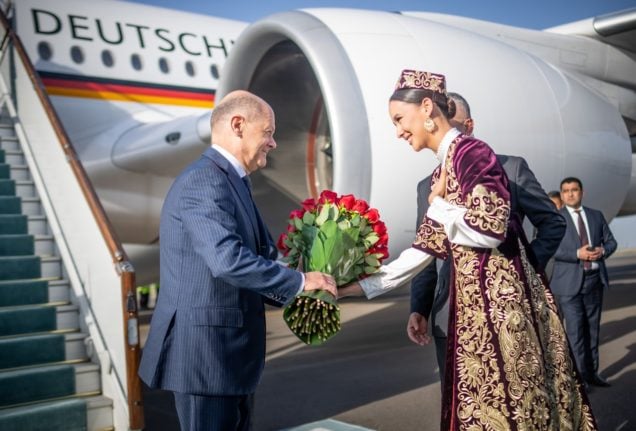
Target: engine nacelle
(328, 74)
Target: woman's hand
(439, 189)
(351, 289)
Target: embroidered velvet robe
(508, 364)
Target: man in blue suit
(207, 336)
(580, 277)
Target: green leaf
(324, 214)
(309, 218)
(298, 223)
(371, 239)
(371, 260)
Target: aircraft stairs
(47, 380)
(69, 344)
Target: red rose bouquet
(337, 235)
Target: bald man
(207, 336)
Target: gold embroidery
(431, 236)
(487, 211)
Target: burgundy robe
(508, 363)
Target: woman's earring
(429, 125)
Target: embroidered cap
(422, 80)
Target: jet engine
(328, 75)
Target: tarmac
(371, 377)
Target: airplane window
(163, 65)
(135, 60)
(107, 58)
(214, 70)
(77, 54)
(189, 67)
(44, 51)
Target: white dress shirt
(575, 218)
(412, 261)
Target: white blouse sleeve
(457, 231)
(410, 262)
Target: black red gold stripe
(58, 84)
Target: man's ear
(237, 123)
(469, 125)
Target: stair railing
(116, 345)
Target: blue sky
(536, 14)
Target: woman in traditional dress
(508, 363)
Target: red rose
(309, 204)
(281, 242)
(297, 214)
(327, 196)
(380, 250)
(347, 202)
(379, 228)
(360, 206)
(372, 215)
(383, 241)
(291, 228)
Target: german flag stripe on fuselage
(59, 84)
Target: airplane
(134, 86)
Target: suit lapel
(571, 230)
(240, 189)
(591, 225)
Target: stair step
(33, 291)
(64, 414)
(51, 267)
(5, 170)
(19, 267)
(23, 292)
(10, 205)
(29, 350)
(7, 187)
(25, 385)
(13, 224)
(34, 384)
(31, 319)
(44, 245)
(9, 143)
(67, 414)
(36, 225)
(17, 245)
(31, 206)
(25, 189)
(19, 172)
(7, 130)
(13, 157)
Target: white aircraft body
(134, 86)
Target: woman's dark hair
(416, 95)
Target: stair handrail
(122, 264)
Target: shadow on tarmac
(371, 360)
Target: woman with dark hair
(508, 364)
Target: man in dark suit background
(207, 336)
(580, 277)
(430, 288)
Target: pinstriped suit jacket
(207, 335)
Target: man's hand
(417, 329)
(590, 255)
(439, 189)
(317, 280)
(351, 289)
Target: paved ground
(370, 375)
